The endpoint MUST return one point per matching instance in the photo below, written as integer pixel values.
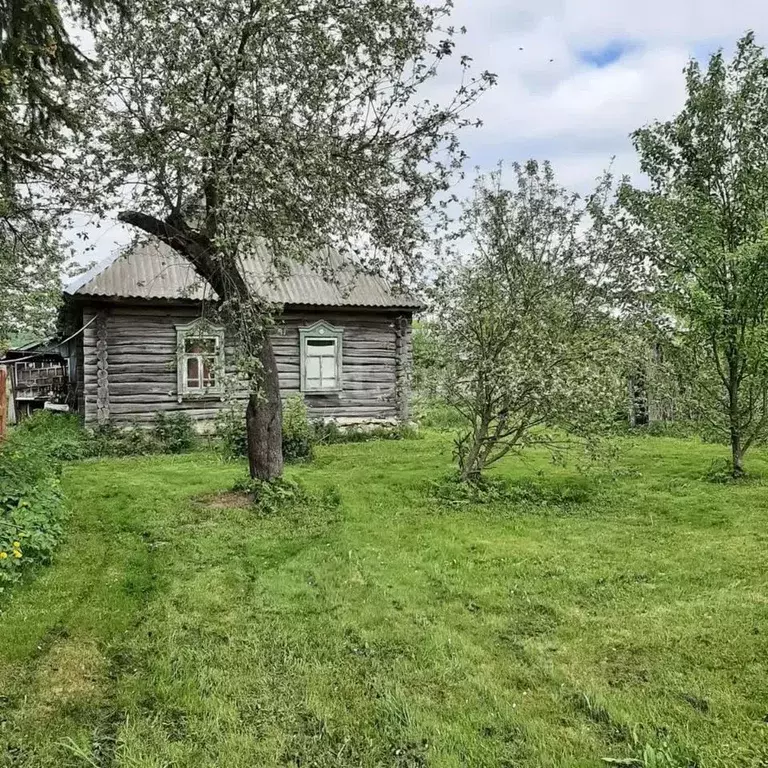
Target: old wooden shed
(343, 343)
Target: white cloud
(550, 103)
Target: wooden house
(344, 343)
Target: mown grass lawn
(629, 619)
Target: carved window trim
(318, 335)
(205, 331)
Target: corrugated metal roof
(153, 270)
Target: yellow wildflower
(17, 553)
(16, 545)
(3, 555)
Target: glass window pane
(313, 383)
(321, 342)
(198, 345)
(329, 383)
(328, 367)
(312, 367)
(193, 368)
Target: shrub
(434, 413)
(285, 495)
(298, 434)
(108, 440)
(59, 433)
(682, 429)
(451, 491)
(32, 510)
(174, 432)
(66, 440)
(229, 432)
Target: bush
(681, 429)
(450, 491)
(434, 413)
(108, 440)
(284, 495)
(174, 432)
(59, 433)
(32, 510)
(298, 434)
(66, 440)
(230, 434)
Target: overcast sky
(575, 78)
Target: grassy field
(621, 617)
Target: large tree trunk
(263, 418)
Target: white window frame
(321, 331)
(201, 329)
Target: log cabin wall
(130, 367)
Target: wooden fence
(3, 403)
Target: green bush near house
(300, 434)
(32, 510)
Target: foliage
(38, 60)
(225, 124)
(427, 363)
(705, 254)
(540, 494)
(31, 256)
(32, 510)
(283, 495)
(66, 440)
(436, 413)
(174, 431)
(298, 435)
(524, 325)
(60, 433)
(230, 433)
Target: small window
(320, 358)
(200, 359)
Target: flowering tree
(706, 218)
(527, 338)
(217, 122)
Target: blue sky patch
(607, 54)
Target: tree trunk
(263, 418)
(737, 455)
(471, 468)
(734, 422)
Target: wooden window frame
(201, 329)
(324, 331)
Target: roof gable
(153, 270)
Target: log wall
(129, 365)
